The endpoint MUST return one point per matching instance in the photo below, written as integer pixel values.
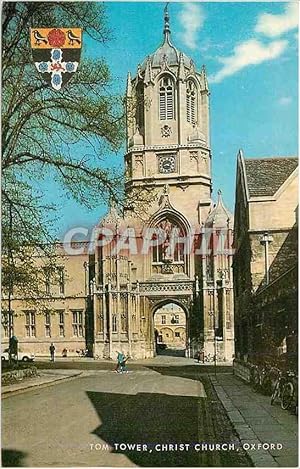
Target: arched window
(191, 102)
(166, 98)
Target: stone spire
(167, 30)
(129, 86)
(148, 72)
(204, 77)
(219, 217)
(181, 74)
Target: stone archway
(170, 322)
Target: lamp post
(89, 288)
(264, 241)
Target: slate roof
(170, 53)
(266, 175)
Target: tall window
(47, 324)
(61, 280)
(77, 323)
(114, 323)
(163, 319)
(191, 108)
(47, 280)
(140, 105)
(5, 323)
(30, 324)
(61, 324)
(124, 323)
(166, 98)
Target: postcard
(149, 234)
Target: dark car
(162, 346)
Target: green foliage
(65, 135)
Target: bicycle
(255, 377)
(289, 392)
(285, 390)
(209, 358)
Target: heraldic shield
(56, 53)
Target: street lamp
(264, 241)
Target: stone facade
(168, 159)
(265, 260)
(57, 315)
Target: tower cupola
(168, 123)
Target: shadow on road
(153, 418)
(189, 371)
(150, 419)
(12, 458)
(171, 352)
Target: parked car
(161, 346)
(24, 356)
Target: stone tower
(168, 157)
(168, 129)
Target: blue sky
(250, 52)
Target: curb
(30, 386)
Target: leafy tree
(46, 134)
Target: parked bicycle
(263, 377)
(82, 352)
(209, 358)
(286, 390)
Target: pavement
(165, 400)
(163, 359)
(44, 378)
(107, 419)
(257, 422)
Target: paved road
(90, 364)
(80, 422)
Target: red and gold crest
(56, 53)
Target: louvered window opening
(166, 99)
(191, 102)
(140, 107)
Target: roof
(166, 51)
(266, 175)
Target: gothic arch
(191, 100)
(184, 304)
(165, 301)
(195, 79)
(165, 72)
(171, 213)
(166, 97)
(170, 255)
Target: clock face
(167, 164)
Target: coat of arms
(56, 53)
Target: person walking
(52, 351)
(123, 365)
(120, 359)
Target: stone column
(110, 317)
(129, 312)
(104, 312)
(118, 303)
